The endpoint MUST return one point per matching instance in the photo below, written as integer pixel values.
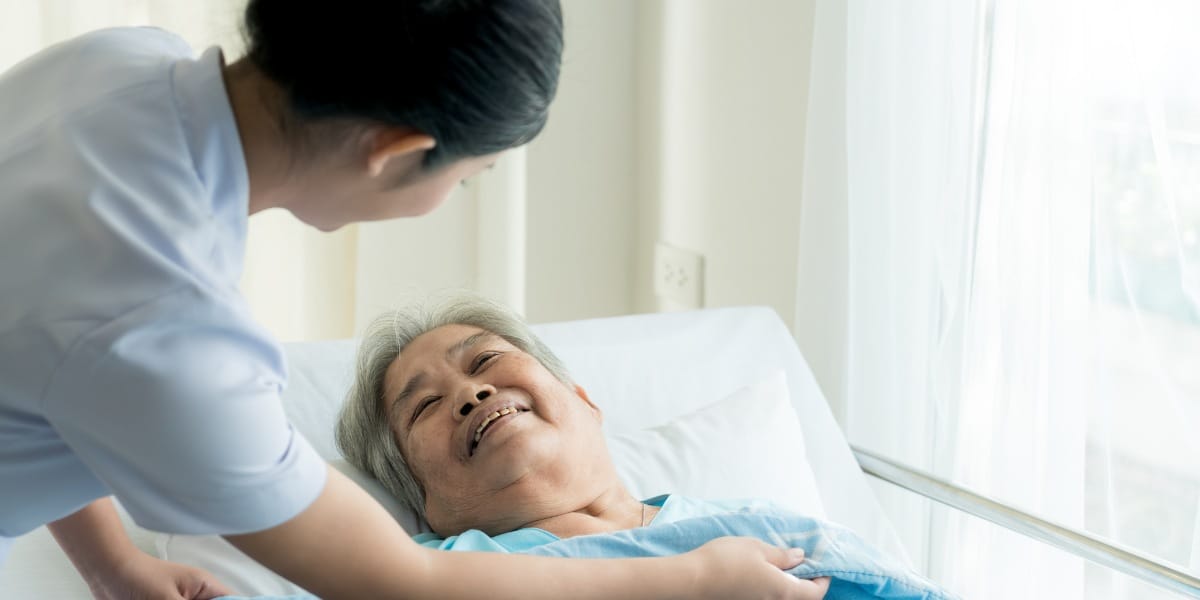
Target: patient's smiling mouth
(489, 420)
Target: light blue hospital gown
(672, 508)
(129, 363)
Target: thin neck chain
(643, 514)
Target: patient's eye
(423, 405)
(480, 360)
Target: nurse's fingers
(139, 576)
(197, 584)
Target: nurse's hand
(115, 569)
(143, 577)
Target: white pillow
(748, 445)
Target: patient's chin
(467, 519)
(449, 520)
(517, 456)
(444, 530)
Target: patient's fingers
(784, 558)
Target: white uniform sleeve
(175, 406)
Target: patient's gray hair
(364, 434)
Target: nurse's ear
(396, 145)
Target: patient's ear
(582, 393)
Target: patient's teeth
(492, 417)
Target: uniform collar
(216, 151)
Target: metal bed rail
(1070, 540)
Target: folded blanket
(857, 570)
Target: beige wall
(580, 205)
(299, 281)
(676, 120)
(404, 258)
(732, 92)
(582, 200)
(680, 121)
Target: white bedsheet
(643, 370)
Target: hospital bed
(691, 404)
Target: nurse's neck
(312, 167)
(258, 104)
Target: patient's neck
(613, 510)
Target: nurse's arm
(347, 546)
(113, 567)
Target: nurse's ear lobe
(393, 143)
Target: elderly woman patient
(461, 412)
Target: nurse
(130, 365)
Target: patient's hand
(740, 567)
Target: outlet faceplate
(679, 275)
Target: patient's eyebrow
(467, 342)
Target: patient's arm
(347, 546)
(115, 569)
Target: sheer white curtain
(1011, 190)
(1144, 134)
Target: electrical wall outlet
(679, 275)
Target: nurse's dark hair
(476, 75)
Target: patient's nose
(476, 399)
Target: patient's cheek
(402, 443)
(416, 455)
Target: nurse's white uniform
(129, 364)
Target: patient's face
(495, 439)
